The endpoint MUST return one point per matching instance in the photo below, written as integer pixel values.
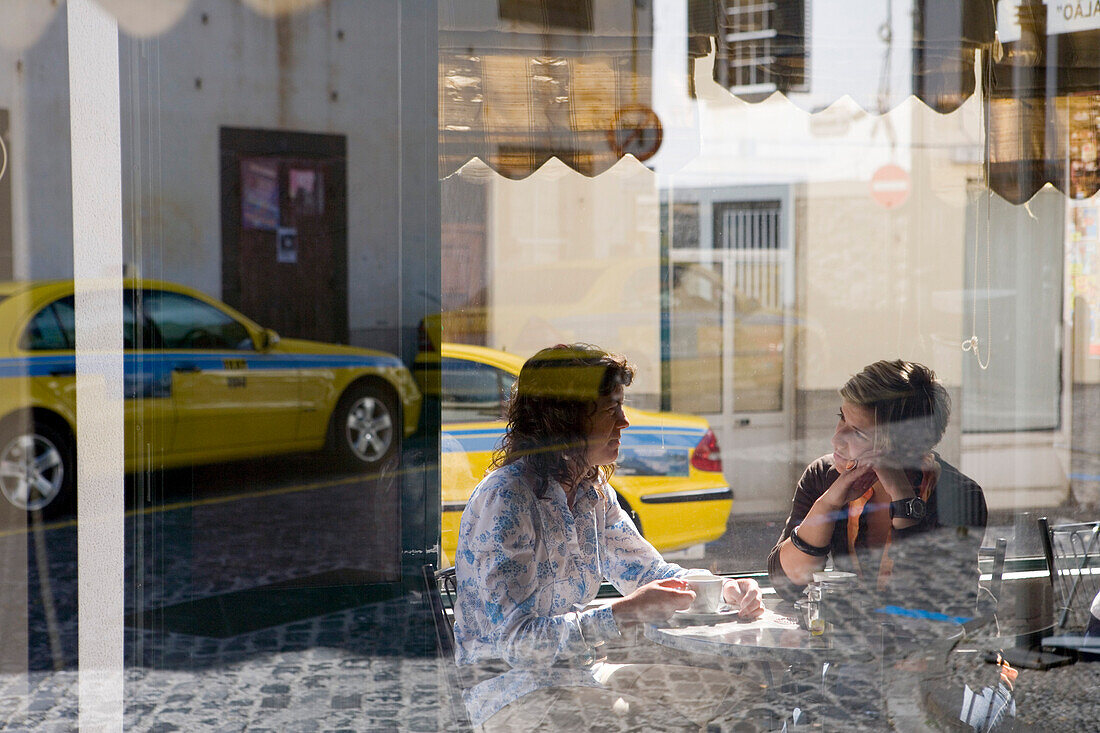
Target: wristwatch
(914, 508)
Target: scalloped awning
(561, 81)
(1044, 111)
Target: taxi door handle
(187, 368)
(62, 372)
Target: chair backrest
(1073, 560)
(435, 582)
(996, 575)
(444, 627)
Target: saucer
(725, 612)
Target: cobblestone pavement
(373, 667)
(367, 669)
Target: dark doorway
(284, 230)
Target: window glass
(183, 322)
(66, 316)
(45, 331)
(803, 226)
(473, 392)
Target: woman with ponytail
(884, 504)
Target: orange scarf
(880, 526)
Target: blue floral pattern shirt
(526, 568)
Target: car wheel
(365, 427)
(37, 470)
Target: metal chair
(445, 581)
(444, 626)
(989, 596)
(1073, 560)
(997, 572)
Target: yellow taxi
(202, 384)
(669, 474)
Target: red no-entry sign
(890, 186)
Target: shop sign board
(1072, 16)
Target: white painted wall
(333, 70)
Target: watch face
(908, 508)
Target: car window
(47, 331)
(473, 392)
(54, 327)
(183, 322)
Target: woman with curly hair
(537, 538)
(883, 504)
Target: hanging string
(972, 344)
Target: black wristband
(803, 546)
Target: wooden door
(284, 226)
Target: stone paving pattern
(367, 669)
(373, 668)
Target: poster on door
(286, 245)
(307, 192)
(259, 194)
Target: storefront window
(271, 270)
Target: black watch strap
(908, 509)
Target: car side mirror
(268, 339)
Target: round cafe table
(865, 657)
(778, 636)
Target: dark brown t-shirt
(935, 561)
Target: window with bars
(762, 46)
(747, 225)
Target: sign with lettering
(1072, 16)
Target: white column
(676, 110)
(97, 268)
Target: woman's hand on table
(654, 601)
(744, 595)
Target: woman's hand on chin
(892, 476)
(851, 485)
(654, 601)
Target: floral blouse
(526, 568)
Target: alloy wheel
(369, 429)
(32, 471)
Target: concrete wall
(336, 69)
(34, 88)
(223, 65)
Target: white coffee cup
(708, 593)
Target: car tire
(366, 427)
(37, 467)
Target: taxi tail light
(707, 456)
